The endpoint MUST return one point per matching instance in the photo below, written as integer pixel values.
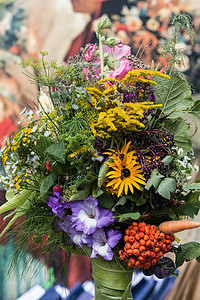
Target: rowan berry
(126, 238)
(142, 228)
(153, 262)
(141, 235)
(132, 232)
(142, 242)
(129, 252)
(146, 265)
(142, 259)
(137, 237)
(137, 264)
(134, 224)
(121, 252)
(162, 235)
(141, 224)
(136, 252)
(153, 227)
(131, 239)
(127, 246)
(142, 248)
(132, 261)
(169, 247)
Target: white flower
(188, 177)
(34, 128)
(196, 168)
(190, 167)
(38, 112)
(47, 133)
(97, 157)
(23, 111)
(182, 163)
(180, 151)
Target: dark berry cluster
(144, 245)
(151, 147)
(138, 93)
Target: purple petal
(100, 245)
(105, 218)
(113, 237)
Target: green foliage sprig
(169, 50)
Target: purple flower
(77, 237)
(104, 241)
(87, 216)
(57, 204)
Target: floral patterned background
(144, 26)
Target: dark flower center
(125, 172)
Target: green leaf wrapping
(112, 281)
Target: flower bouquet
(101, 168)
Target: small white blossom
(34, 128)
(182, 163)
(196, 168)
(47, 133)
(180, 151)
(38, 112)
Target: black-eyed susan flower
(125, 173)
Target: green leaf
(2, 169)
(166, 186)
(192, 186)
(137, 198)
(133, 216)
(191, 250)
(180, 128)
(179, 260)
(56, 151)
(174, 94)
(154, 180)
(102, 173)
(196, 108)
(47, 183)
(192, 204)
(198, 258)
(42, 144)
(167, 159)
(105, 200)
(82, 194)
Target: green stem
(101, 55)
(114, 56)
(45, 71)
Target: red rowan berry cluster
(145, 245)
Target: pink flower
(58, 189)
(122, 63)
(90, 52)
(48, 166)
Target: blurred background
(61, 27)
